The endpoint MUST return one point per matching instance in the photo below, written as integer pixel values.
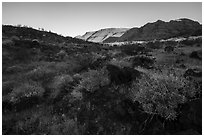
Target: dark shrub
(196, 55)
(143, 61)
(191, 42)
(122, 76)
(182, 54)
(61, 86)
(14, 69)
(169, 49)
(120, 63)
(8, 43)
(154, 45)
(84, 61)
(24, 96)
(41, 74)
(94, 79)
(7, 87)
(193, 108)
(133, 49)
(161, 94)
(192, 72)
(182, 66)
(22, 54)
(171, 43)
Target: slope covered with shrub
(90, 89)
(45, 36)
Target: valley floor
(95, 89)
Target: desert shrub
(14, 69)
(61, 67)
(196, 55)
(22, 54)
(68, 127)
(60, 83)
(189, 42)
(171, 43)
(143, 61)
(120, 63)
(27, 123)
(7, 42)
(7, 87)
(26, 90)
(41, 74)
(154, 45)
(83, 61)
(94, 79)
(116, 53)
(61, 54)
(97, 60)
(182, 54)
(71, 66)
(14, 38)
(169, 49)
(133, 49)
(161, 94)
(192, 73)
(124, 75)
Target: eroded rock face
(103, 34)
(155, 30)
(122, 76)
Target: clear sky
(71, 19)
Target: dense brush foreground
(70, 86)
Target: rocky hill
(103, 34)
(161, 30)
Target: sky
(72, 19)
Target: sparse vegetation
(58, 85)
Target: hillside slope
(161, 30)
(103, 34)
(43, 36)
